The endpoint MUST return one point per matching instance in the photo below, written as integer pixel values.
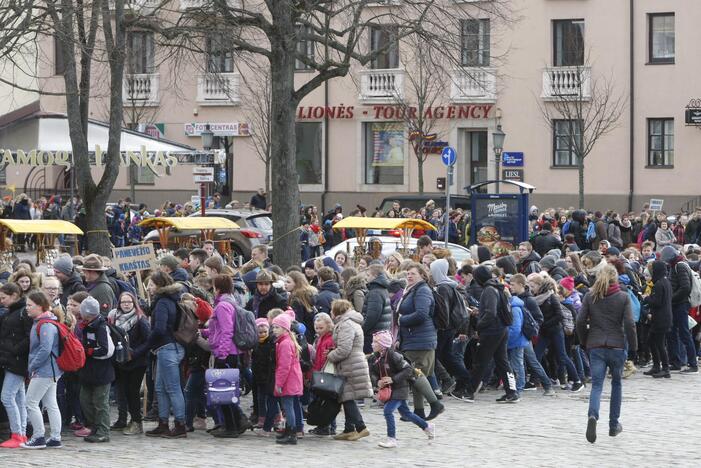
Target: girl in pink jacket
(288, 377)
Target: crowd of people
(586, 296)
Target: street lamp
(207, 142)
(498, 143)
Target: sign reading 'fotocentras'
(43, 158)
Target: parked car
(390, 244)
(256, 228)
(416, 202)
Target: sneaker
(360, 403)
(614, 431)
(509, 398)
(54, 443)
(652, 371)
(663, 374)
(690, 370)
(38, 443)
(461, 395)
(674, 368)
(263, 433)
(134, 428)
(13, 442)
(591, 429)
(359, 435)
(119, 424)
(566, 386)
(448, 386)
(84, 432)
(200, 424)
(96, 439)
(76, 426)
(530, 386)
(322, 431)
(549, 392)
(577, 386)
(391, 442)
(438, 393)
(629, 369)
(430, 431)
(345, 435)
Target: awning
(188, 223)
(359, 222)
(40, 226)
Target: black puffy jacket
(552, 315)
(73, 285)
(377, 310)
(15, 326)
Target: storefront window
(309, 152)
(384, 153)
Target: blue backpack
(635, 304)
(591, 231)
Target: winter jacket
(95, 337)
(163, 316)
(377, 308)
(328, 292)
(304, 315)
(660, 299)
(516, 336)
(73, 284)
(138, 338)
(680, 278)
(601, 323)
(488, 321)
(626, 234)
(263, 363)
(356, 291)
(532, 306)
(21, 210)
(614, 234)
(349, 358)
(15, 327)
(261, 305)
(416, 328)
(557, 273)
(43, 349)
(220, 329)
(392, 364)
(322, 345)
(180, 275)
(546, 241)
(693, 228)
(102, 291)
(529, 264)
(664, 237)
(601, 233)
(552, 315)
(577, 228)
(288, 373)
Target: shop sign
(394, 112)
(513, 174)
(221, 129)
(512, 159)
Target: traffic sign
(512, 159)
(449, 156)
(203, 174)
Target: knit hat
(482, 274)
(283, 321)
(204, 310)
(613, 251)
(383, 338)
(309, 264)
(547, 262)
(262, 322)
(668, 253)
(89, 308)
(568, 283)
(290, 313)
(170, 261)
(557, 253)
(483, 254)
(64, 264)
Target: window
(660, 142)
(384, 38)
(305, 48)
(384, 152)
(474, 40)
(568, 46)
(220, 57)
(3, 174)
(661, 37)
(567, 135)
(59, 66)
(309, 152)
(141, 53)
(141, 175)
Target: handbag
(222, 386)
(322, 411)
(327, 384)
(384, 394)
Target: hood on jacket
(659, 270)
(353, 315)
(493, 282)
(380, 282)
(482, 275)
(355, 283)
(579, 216)
(517, 302)
(330, 286)
(179, 274)
(173, 291)
(439, 272)
(531, 257)
(396, 285)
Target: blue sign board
(512, 159)
(449, 156)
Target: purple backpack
(222, 386)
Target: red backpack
(71, 355)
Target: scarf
(125, 322)
(613, 289)
(542, 297)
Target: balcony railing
(381, 84)
(473, 84)
(567, 82)
(205, 4)
(219, 89)
(141, 89)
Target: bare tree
(259, 113)
(588, 108)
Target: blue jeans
(556, 339)
(405, 412)
(536, 369)
(293, 413)
(168, 389)
(195, 400)
(680, 340)
(516, 362)
(14, 400)
(268, 406)
(600, 359)
(453, 363)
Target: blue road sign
(512, 159)
(449, 156)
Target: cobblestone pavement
(660, 419)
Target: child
(388, 367)
(263, 366)
(288, 376)
(323, 326)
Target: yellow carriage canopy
(206, 225)
(45, 230)
(361, 224)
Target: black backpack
(504, 309)
(529, 326)
(458, 314)
(305, 358)
(441, 311)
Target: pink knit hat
(283, 321)
(383, 338)
(291, 313)
(568, 283)
(262, 322)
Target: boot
(664, 373)
(179, 431)
(289, 439)
(134, 428)
(420, 412)
(285, 433)
(161, 429)
(121, 423)
(436, 409)
(654, 370)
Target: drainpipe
(631, 106)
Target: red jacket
(322, 345)
(288, 373)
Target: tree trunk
(580, 170)
(98, 239)
(267, 179)
(419, 159)
(285, 199)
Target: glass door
(476, 157)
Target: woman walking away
(351, 364)
(606, 312)
(660, 316)
(43, 372)
(288, 375)
(390, 369)
(15, 327)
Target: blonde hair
(604, 279)
(303, 292)
(340, 307)
(272, 313)
(324, 317)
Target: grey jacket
(349, 358)
(601, 324)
